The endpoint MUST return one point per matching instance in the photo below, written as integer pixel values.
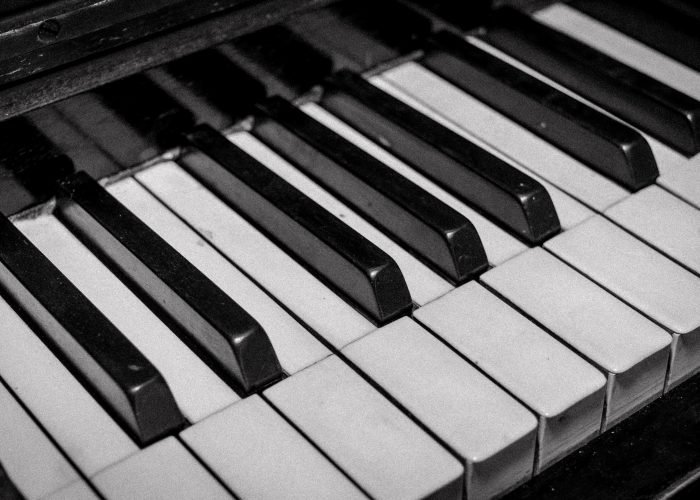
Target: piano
(349, 249)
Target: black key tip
(468, 254)
(154, 410)
(390, 292)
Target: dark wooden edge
(649, 455)
(52, 22)
(19, 98)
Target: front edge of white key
(643, 278)
(376, 445)
(257, 454)
(491, 431)
(630, 349)
(163, 471)
(564, 391)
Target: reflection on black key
(104, 360)
(612, 148)
(131, 119)
(507, 195)
(8, 491)
(448, 14)
(664, 112)
(438, 233)
(279, 59)
(674, 33)
(361, 34)
(29, 164)
(209, 86)
(233, 341)
(336, 253)
(84, 154)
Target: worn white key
(677, 173)
(379, 447)
(258, 454)
(445, 103)
(78, 490)
(565, 392)
(80, 427)
(278, 273)
(296, 348)
(422, 282)
(491, 431)
(630, 349)
(499, 245)
(29, 458)
(165, 470)
(645, 279)
(624, 48)
(663, 221)
(198, 392)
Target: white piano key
(423, 283)
(29, 458)
(165, 470)
(491, 431)
(80, 427)
(624, 48)
(379, 447)
(198, 392)
(645, 279)
(310, 300)
(445, 103)
(677, 173)
(663, 221)
(258, 454)
(499, 245)
(630, 349)
(296, 348)
(668, 160)
(78, 490)
(564, 391)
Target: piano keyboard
(401, 288)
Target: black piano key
(664, 112)
(341, 256)
(208, 86)
(280, 60)
(505, 194)
(219, 86)
(442, 236)
(357, 36)
(29, 164)
(607, 145)
(234, 343)
(8, 490)
(345, 260)
(103, 359)
(451, 15)
(671, 32)
(131, 119)
(688, 8)
(84, 154)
